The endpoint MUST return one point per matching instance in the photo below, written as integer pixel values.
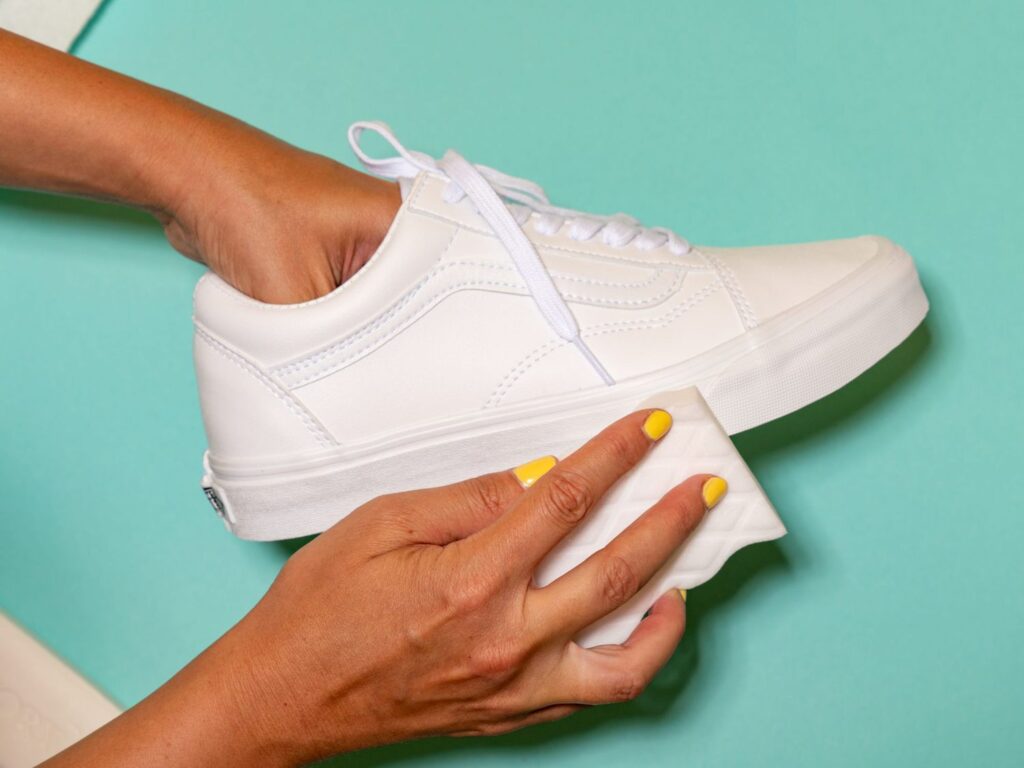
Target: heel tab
(199, 289)
(222, 309)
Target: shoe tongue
(405, 186)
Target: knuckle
(388, 507)
(386, 501)
(626, 687)
(487, 492)
(684, 511)
(468, 595)
(500, 660)
(619, 580)
(624, 448)
(568, 497)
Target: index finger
(561, 499)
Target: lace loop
(408, 164)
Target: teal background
(884, 630)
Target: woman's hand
(280, 224)
(417, 615)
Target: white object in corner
(45, 706)
(696, 444)
(492, 327)
(56, 23)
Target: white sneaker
(491, 327)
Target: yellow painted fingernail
(682, 594)
(529, 473)
(713, 490)
(657, 424)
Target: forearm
(71, 127)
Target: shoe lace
(506, 203)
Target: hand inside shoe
(280, 224)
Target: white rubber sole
(777, 368)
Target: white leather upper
(774, 278)
(439, 323)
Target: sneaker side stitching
(319, 433)
(295, 366)
(746, 312)
(621, 326)
(414, 314)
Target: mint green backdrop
(884, 630)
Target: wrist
(270, 708)
(201, 716)
(180, 154)
(261, 725)
(173, 157)
(293, 706)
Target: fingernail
(682, 594)
(657, 424)
(529, 473)
(713, 490)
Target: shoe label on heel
(215, 502)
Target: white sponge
(696, 444)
